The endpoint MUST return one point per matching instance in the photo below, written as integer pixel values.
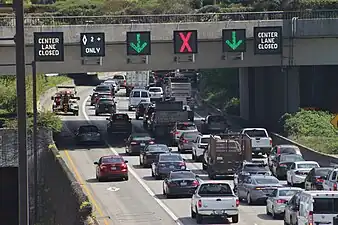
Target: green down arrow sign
(138, 47)
(234, 43)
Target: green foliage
(232, 107)
(328, 145)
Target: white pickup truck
(214, 199)
(260, 140)
(331, 182)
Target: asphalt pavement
(138, 200)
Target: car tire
(235, 219)
(100, 179)
(192, 213)
(204, 167)
(199, 218)
(163, 191)
(96, 114)
(248, 199)
(130, 108)
(152, 173)
(137, 117)
(126, 177)
(157, 177)
(141, 163)
(193, 157)
(267, 211)
(274, 215)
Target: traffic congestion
(197, 166)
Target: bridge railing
(52, 19)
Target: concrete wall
(60, 196)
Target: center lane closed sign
(48, 46)
(268, 40)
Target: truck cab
(214, 124)
(261, 142)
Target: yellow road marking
(85, 188)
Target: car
(214, 199)
(119, 124)
(111, 166)
(93, 97)
(140, 109)
(199, 146)
(113, 83)
(298, 172)
(277, 200)
(315, 179)
(181, 127)
(282, 149)
(156, 93)
(180, 183)
(105, 105)
(137, 96)
(86, 134)
(120, 79)
(137, 142)
(105, 88)
(185, 142)
(281, 164)
(292, 209)
(248, 168)
(150, 152)
(97, 95)
(256, 188)
(165, 163)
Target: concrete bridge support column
(293, 90)
(259, 95)
(244, 93)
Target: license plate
(258, 148)
(183, 183)
(218, 212)
(106, 108)
(171, 167)
(143, 144)
(113, 168)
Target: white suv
(156, 93)
(137, 96)
(180, 128)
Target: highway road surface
(138, 201)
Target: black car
(105, 88)
(150, 152)
(180, 182)
(140, 109)
(105, 105)
(251, 168)
(147, 115)
(281, 164)
(88, 134)
(165, 163)
(119, 124)
(137, 142)
(315, 178)
(97, 95)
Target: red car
(111, 167)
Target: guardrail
(53, 19)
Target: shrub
(232, 107)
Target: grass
(328, 145)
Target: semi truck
(136, 79)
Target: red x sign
(185, 41)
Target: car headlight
(97, 134)
(245, 174)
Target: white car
(156, 93)
(112, 83)
(215, 199)
(180, 128)
(277, 200)
(298, 172)
(137, 96)
(199, 146)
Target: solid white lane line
(135, 175)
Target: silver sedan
(277, 200)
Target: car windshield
(291, 158)
(266, 181)
(145, 138)
(186, 126)
(256, 133)
(88, 129)
(322, 172)
(287, 150)
(136, 94)
(205, 140)
(103, 96)
(112, 160)
(182, 175)
(143, 105)
(158, 148)
(118, 77)
(155, 89)
(144, 94)
(215, 189)
(287, 192)
(325, 205)
(170, 158)
(106, 100)
(307, 166)
(102, 88)
(255, 167)
(120, 117)
(216, 119)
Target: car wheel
(152, 173)
(199, 218)
(274, 215)
(192, 213)
(267, 211)
(126, 177)
(235, 219)
(96, 114)
(141, 163)
(204, 167)
(130, 108)
(285, 223)
(291, 182)
(163, 191)
(137, 117)
(157, 177)
(193, 156)
(248, 199)
(100, 179)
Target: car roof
(306, 162)
(263, 176)
(103, 85)
(140, 135)
(112, 156)
(289, 188)
(287, 146)
(169, 153)
(214, 182)
(186, 123)
(158, 145)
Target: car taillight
(177, 132)
(161, 165)
(319, 180)
(123, 166)
(270, 141)
(133, 143)
(278, 149)
(310, 218)
(195, 183)
(102, 167)
(282, 165)
(151, 142)
(124, 82)
(335, 186)
(281, 201)
(237, 202)
(185, 141)
(172, 184)
(199, 203)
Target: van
(136, 96)
(318, 207)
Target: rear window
(190, 135)
(254, 167)
(291, 158)
(216, 119)
(102, 88)
(118, 77)
(180, 175)
(215, 189)
(307, 166)
(142, 138)
(170, 158)
(106, 100)
(144, 94)
(136, 94)
(288, 192)
(325, 205)
(112, 160)
(256, 133)
(120, 117)
(88, 129)
(155, 89)
(186, 127)
(266, 181)
(322, 172)
(163, 148)
(288, 151)
(205, 140)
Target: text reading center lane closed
(268, 40)
(48, 46)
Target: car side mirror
(90, 95)
(52, 98)
(125, 161)
(96, 163)
(184, 159)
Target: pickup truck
(260, 140)
(214, 199)
(331, 182)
